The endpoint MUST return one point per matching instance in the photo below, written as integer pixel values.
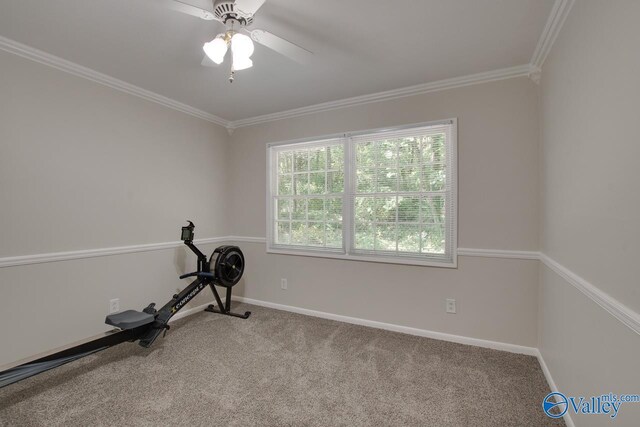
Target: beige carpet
(284, 369)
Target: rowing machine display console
(187, 232)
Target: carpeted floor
(284, 369)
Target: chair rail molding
(14, 261)
(624, 314)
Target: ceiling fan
(237, 15)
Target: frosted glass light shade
(215, 50)
(241, 62)
(241, 46)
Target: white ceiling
(360, 46)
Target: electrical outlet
(451, 306)
(283, 284)
(114, 305)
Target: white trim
(93, 253)
(247, 239)
(552, 385)
(485, 253)
(496, 345)
(53, 61)
(403, 260)
(557, 17)
(61, 64)
(489, 76)
(452, 183)
(614, 307)
(498, 253)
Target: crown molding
(533, 70)
(552, 28)
(53, 61)
(535, 74)
(557, 17)
(56, 62)
(489, 76)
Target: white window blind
(307, 195)
(384, 195)
(401, 194)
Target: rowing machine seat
(129, 319)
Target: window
(384, 195)
(308, 195)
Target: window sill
(363, 258)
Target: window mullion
(272, 162)
(348, 198)
(376, 187)
(421, 188)
(397, 191)
(324, 197)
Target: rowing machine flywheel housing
(228, 263)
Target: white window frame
(347, 208)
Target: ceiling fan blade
(189, 9)
(282, 46)
(207, 62)
(249, 7)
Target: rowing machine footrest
(129, 319)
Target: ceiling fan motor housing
(225, 10)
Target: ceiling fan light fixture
(241, 46)
(216, 49)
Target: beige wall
(587, 350)
(498, 209)
(83, 166)
(591, 201)
(88, 167)
(497, 157)
(590, 144)
(496, 298)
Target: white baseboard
(512, 348)
(552, 384)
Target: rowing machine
(146, 325)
